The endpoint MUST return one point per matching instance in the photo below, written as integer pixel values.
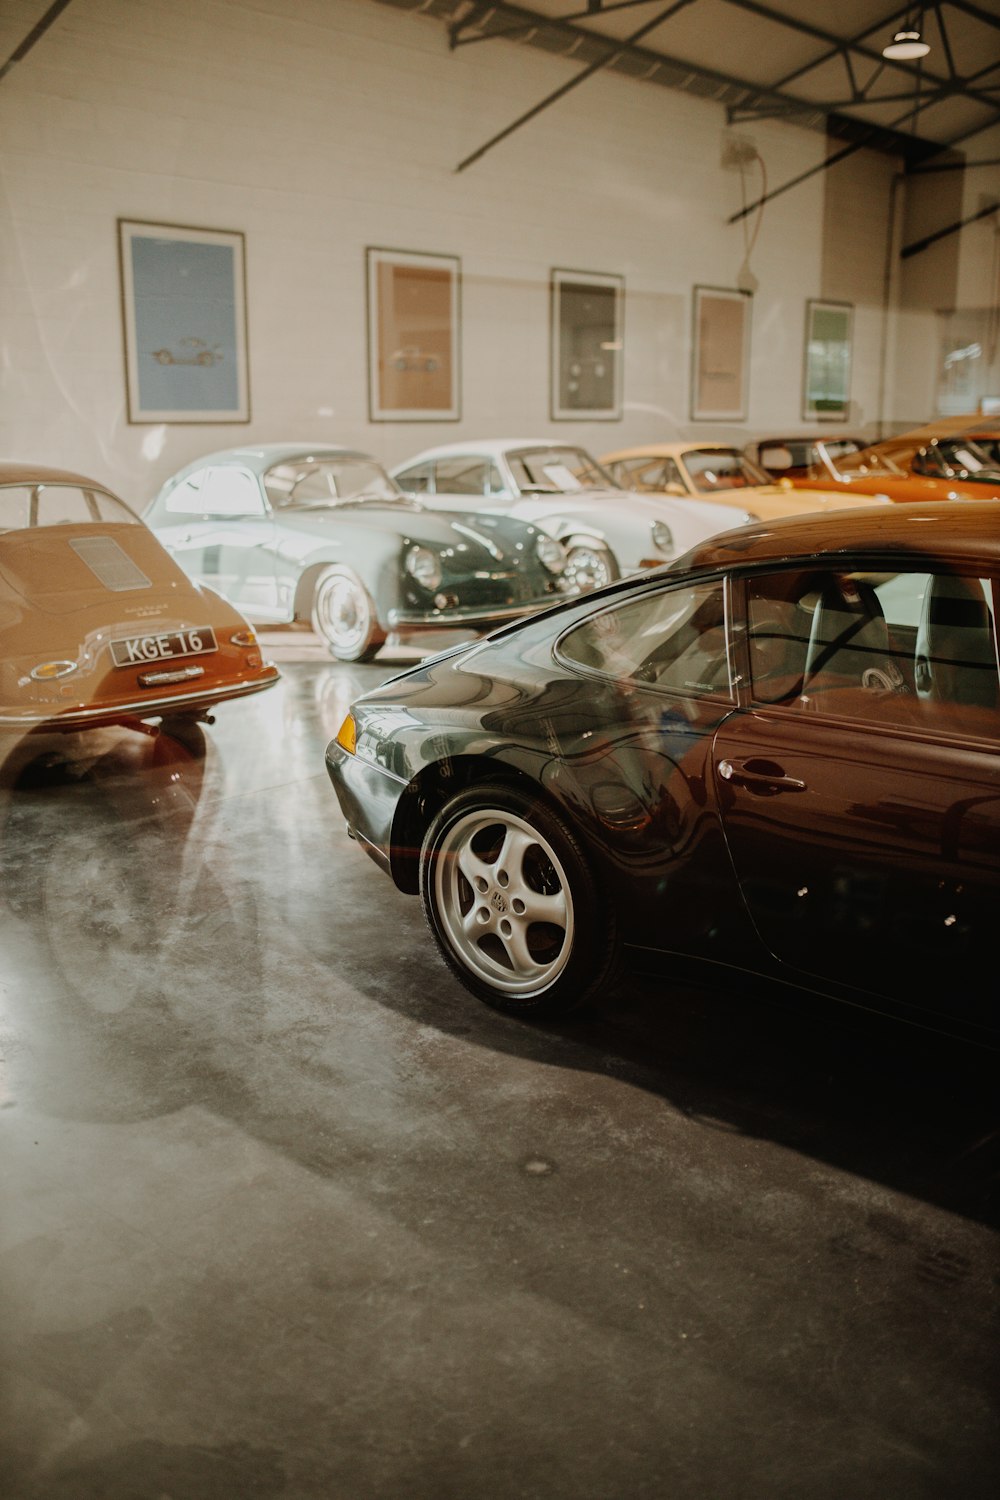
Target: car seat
(955, 658)
(849, 644)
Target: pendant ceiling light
(907, 44)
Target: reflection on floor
(285, 1213)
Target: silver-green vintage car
(292, 531)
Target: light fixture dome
(906, 45)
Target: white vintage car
(607, 530)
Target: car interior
(821, 649)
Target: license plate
(140, 650)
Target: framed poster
(827, 376)
(184, 320)
(413, 336)
(721, 354)
(586, 345)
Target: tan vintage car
(724, 475)
(98, 624)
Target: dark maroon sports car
(779, 756)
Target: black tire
(589, 565)
(493, 856)
(344, 616)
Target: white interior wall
(319, 127)
(979, 257)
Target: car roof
(266, 455)
(11, 473)
(492, 446)
(950, 427)
(968, 528)
(814, 437)
(673, 449)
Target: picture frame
(586, 345)
(826, 374)
(184, 323)
(414, 336)
(720, 354)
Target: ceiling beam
(34, 35)
(588, 72)
(939, 234)
(842, 46)
(455, 30)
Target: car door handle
(759, 773)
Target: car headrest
(849, 639)
(955, 658)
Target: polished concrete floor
(286, 1213)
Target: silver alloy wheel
(588, 567)
(343, 614)
(504, 901)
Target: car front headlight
(663, 538)
(422, 565)
(551, 554)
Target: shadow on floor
(124, 873)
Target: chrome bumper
(134, 708)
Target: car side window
(820, 639)
(418, 480)
(220, 491)
(647, 474)
(674, 639)
(494, 483)
(912, 648)
(462, 476)
(187, 498)
(233, 492)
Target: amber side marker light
(347, 735)
(46, 671)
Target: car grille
(515, 587)
(109, 563)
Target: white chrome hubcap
(504, 901)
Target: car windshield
(852, 463)
(322, 484)
(25, 505)
(722, 469)
(956, 458)
(556, 469)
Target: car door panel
(832, 829)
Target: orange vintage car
(98, 624)
(964, 451)
(825, 463)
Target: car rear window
(26, 505)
